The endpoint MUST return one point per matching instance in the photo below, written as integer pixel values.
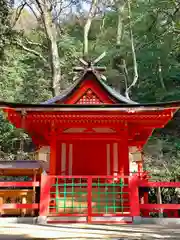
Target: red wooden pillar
(140, 167)
(140, 162)
(134, 196)
(123, 164)
(125, 150)
(53, 149)
(146, 201)
(123, 156)
(89, 198)
(146, 198)
(58, 156)
(44, 195)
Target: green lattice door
(88, 196)
(110, 197)
(68, 197)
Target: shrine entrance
(87, 187)
(89, 198)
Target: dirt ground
(83, 231)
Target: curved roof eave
(175, 105)
(117, 95)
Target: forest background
(42, 40)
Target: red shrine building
(94, 136)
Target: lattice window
(89, 98)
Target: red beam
(159, 206)
(67, 222)
(19, 184)
(155, 123)
(125, 214)
(112, 222)
(96, 115)
(19, 206)
(88, 136)
(96, 222)
(87, 177)
(159, 184)
(96, 136)
(69, 124)
(51, 214)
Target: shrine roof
(93, 107)
(20, 164)
(121, 104)
(111, 91)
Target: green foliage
(5, 29)
(70, 49)
(8, 135)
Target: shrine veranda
(95, 138)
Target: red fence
(170, 210)
(89, 196)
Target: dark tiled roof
(118, 106)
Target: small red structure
(95, 136)
(17, 196)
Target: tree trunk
(51, 33)
(87, 25)
(120, 8)
(159, 201)
(135, 77)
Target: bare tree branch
(101, 29)
(30, 50)
(47, 11)
(135, 78)
(39, 6)
(32, 10)
(120, 7)
(160, 74)
(58, 13)
(87, 26)
(176, 31)
(126, 74)
(18, 13)
(35, 43)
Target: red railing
(133, 206)
(170, 209)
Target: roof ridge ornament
(90, 65)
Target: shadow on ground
(83, 231)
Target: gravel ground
(83, 231)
